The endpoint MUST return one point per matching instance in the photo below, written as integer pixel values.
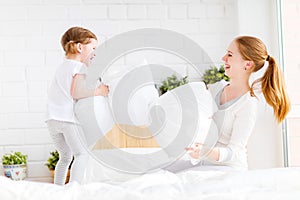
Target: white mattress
(276, 183)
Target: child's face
(88, 51)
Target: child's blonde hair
(73, 36)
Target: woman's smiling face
(234, 63)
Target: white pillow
(94, 115)
(194, 94)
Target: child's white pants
(68, 141)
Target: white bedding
(275, 183)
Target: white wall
(30, 51)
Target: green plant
(14, 158)
(214, 74)
(172, 82)
(53, 159)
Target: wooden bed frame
(126, 136)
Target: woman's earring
(245, 68)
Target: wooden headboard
(123, 136)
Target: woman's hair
(76, 35)
(272, 82)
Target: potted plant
(172, 82)
(52, 161)
(214, 74)
(15, 165)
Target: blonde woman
(68, 85)
(237, 102)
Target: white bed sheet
(275, 183)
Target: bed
(275, 183)
(195, 183)
(102, 181)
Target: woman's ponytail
(272, 82)
(274, 90)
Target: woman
(237, 102)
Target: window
(291, 48)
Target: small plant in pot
(52, 161)
(172, 82)
(15, 165)
(214, 74)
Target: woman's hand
(194, 152)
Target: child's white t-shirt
(60, 102)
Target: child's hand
(102, 90)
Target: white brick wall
(136, 11)
(88, 12)
(177, 11)
(30, 51)
(157, 11)
(117, 12)
(197, 11)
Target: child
(69, 85)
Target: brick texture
(30, 52)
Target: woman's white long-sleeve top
(235, 121)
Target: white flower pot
(15, 172)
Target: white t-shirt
(60, 102)
(235, 123)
